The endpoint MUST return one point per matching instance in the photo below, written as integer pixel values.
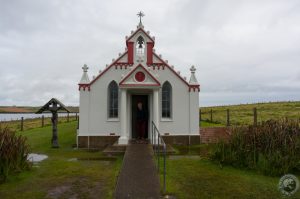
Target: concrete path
(138, 177)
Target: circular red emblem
(139, 76)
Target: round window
(140, 76)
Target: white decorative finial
(193, 69)
(85, 68)
(193, 79)
(85, 78)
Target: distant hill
(243, 113)
(29, 109)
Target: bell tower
(140, 44)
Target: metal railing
(160, 149)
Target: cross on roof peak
(140, 14)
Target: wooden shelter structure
(54, 105)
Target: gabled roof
(108, 67)
(135, 32)
(56, 102)
(171, 69)
(151, 80)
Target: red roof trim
(139, 85)
(138, 31)
(131, 72)
(121, 57)
(171, 69)
(84, 86)
(107, 68)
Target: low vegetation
(13, 153)
(66, 173)
(243, 114)
(272, 148)
(192, 174)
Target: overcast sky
(244, 51)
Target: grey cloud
(244, 51)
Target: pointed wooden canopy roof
(53, 101)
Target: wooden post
(228, 118)
(200, 115)
(211, 115)
(68, 118)
(254, 116)
(43, 121)
(76, 117)
(78, 122)
(22, 123)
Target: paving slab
(138, 178)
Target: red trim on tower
(130, 52)
(150, 52)
(139, 84)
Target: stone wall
(181, 139)
(96, 142)
(213, 134)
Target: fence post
(43, 120)
(200, 115)
(68, 118)
(228, 118)
(76, 117)
(254, 116)
(22, 122)
(211, 115)
(78, 122)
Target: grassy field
(33, 123)
(93, 175)
(192, 177)
(243, 114)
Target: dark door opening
(136, 99)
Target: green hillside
(243, 114)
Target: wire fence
(246, 116)
(30, 123)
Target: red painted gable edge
(107, 68)
(131, 72)
(172, 70)
(138, 31)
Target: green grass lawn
(243, 114)
(60, 176)
(200, 178)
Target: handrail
(157, 141)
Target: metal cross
(140, 14)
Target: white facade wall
(94, 106)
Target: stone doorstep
(115, 149)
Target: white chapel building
(108, 102)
